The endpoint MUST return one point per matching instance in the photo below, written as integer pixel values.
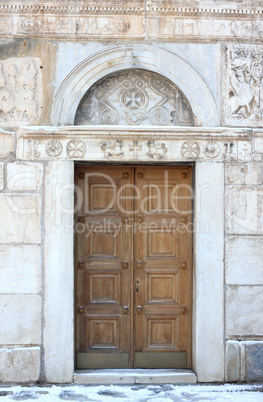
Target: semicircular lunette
(134, 97)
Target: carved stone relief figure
(134, 97)
(244, 81)
(112, 149)
(20, 91)
(156, 151)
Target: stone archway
(207, 344)
(155, 59)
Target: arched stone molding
(151, 58)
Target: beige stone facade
(199, 101)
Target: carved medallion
(190, 150)
(159, 116)
(54, 148)
(31, 25)
(108, 116)
(76, 149)
(211, 149)
(134, 97)
(156, 151)
(122, 25)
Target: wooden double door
(133, 276)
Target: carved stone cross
(135, 148)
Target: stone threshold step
(135, 376)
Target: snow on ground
(140, 393)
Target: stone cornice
(138, 131)
(232, 9)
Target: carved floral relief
(54, 148)
(243, 100)
(211, 149)
(76, 149)
(20, 91)
(190, 149)
(134, 97)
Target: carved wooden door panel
(162, 326)
(104, 267)
(133, 267)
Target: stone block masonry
(118, 82)
(244, 361)
(19, 365)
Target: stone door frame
(208, 277)
(184, 145)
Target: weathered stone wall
(38, 54)
(26, 98)
(244, 275)
(21, 286)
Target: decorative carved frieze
(135, 19)
(142, 144)
(20, 91)
(134, 97)
(243, 86)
